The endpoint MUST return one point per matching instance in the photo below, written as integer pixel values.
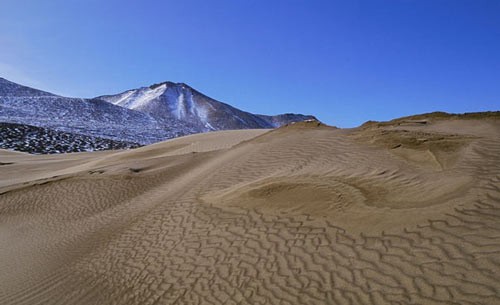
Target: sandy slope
(406, 212)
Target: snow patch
(207, 125)
(122, 97)
(181, 108)
(137, 98)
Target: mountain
(144, 115)
(179, 102)
(92, 117)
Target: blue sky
(344, 61)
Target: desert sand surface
(401, 212)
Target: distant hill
(145, 115)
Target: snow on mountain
(144, 115)
(177, 101)
(134, 99)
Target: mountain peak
(169, 101)
(167, 83)
(170, 84)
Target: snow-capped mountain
(179, 102)
(145, 115)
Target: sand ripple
(293, 216)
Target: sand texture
(405, 212)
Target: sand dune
(403, 212)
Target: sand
(405, 212)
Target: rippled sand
(406, 212)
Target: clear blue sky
(344, 61)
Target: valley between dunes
(402, 212)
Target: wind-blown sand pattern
(406, 212)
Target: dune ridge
(393, 213)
